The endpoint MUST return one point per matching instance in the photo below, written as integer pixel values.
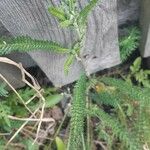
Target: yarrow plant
(90, 93)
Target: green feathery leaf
(106, 98)
(117, 128)
(77, 114)
(138, 112)
(3, 91)
(133, 92)
(4, 112)
(129, 43)
(68, 63)
(72, 4)
(82, 18)
(58, 13)
(25, 44)
(138, 74)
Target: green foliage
(82, 18)
(104, 136)
(116, 127)
(4, 111)
(25, 44)
(138, 74)
(129, 43)
(69, 61)
(130, 106)
(106, 98)
(126, 126)
(51, 101)
(58, 13)
(134, 92)
(77, 114)
(65, 13)
(60, 144)
(3, 91)
(69, 16)
(13, 106)
(28, 144)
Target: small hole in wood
(94, 57)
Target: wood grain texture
(30, 17)
(145, 24)
(3, 31)
(12, 74)
(24, 58)
(128, 11)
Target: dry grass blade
(31, 119)
(22, 126)
(4, 79)
(36, 87)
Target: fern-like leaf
(58, 13)
(3, 91)
(68, 63)
(4, 112)
(25, 44)
(138, 95)
(72, 4)
(78, 114)
(118, 130)
(110, 99)
(129, 43)
(82, 18)
(134, 92)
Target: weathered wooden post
(128, 11)
(11, 73)
(145, 24)
(26, 17)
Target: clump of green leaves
(129, 42)
(11, 107)
(126, 124)
(141, 76)
(69, 15)
(128, 119)
(117, 128)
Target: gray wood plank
(30, 17)
(128, 11)
(24, 58)
(145, 24)
(12, 74)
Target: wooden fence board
(145, 24)
(128, 11)
(12, 74)
(30, 17)
(24, 58)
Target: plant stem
(60, 126)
